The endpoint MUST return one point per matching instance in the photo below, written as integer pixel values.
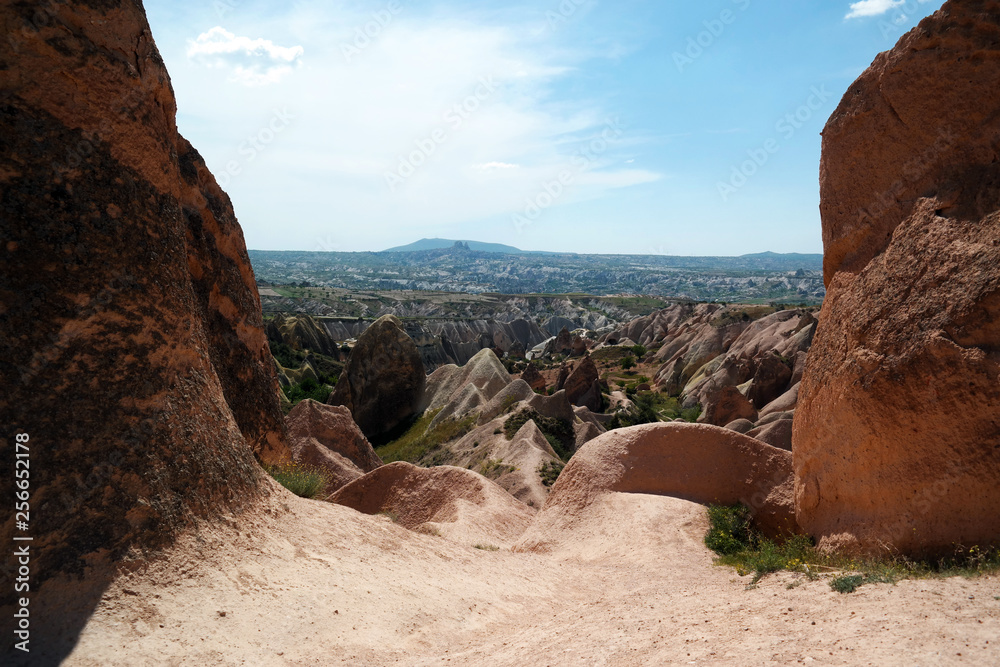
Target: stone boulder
(896, 433)
(133, 354)
(383, 381)
(325, 436)
(696, 462)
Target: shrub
(494, 468)
(550, 471)
(847, 583)
(308, 388)
(639, 351)
(729, 531)
(302, 480)
(628, 363)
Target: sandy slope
(318, 584)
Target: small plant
(508, 403)
(494, 468)
(428, 530)
(639, 351)
(486, 547)
(550, 471)
(847, 583)
(390, 515)
(729, 531)
(628, 363)
(302, 480)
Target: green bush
(639, 351)
(729, 531)
(550, 471)
(847, 583)
(308, 388)
(302, 480)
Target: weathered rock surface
(897, 433)
(326, 436)
(534, 378)
(456, 391)
(454, 503)
(583, 385)
(133, 352)
(725, 406)
(383, 381)
(777, 434)
(704, 464)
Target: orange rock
(897, 433)
(134, 352)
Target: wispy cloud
(253, 62)
(875, 7)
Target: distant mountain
(440, 244)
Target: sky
(589, 126)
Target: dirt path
(318, 584)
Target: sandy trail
(319, 584)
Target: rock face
(534, 378)
(134, 353)
(897, 430)
(383, 382)
(704, 464)
(583, 385)
(725, 406)
(326, 436)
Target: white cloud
(254, 62)
(875, 7)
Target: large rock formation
(383, 382)
(134, 353)
(704, 464)
(325, 436)
(897, 433)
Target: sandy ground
(309, 583)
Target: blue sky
(681, 128)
